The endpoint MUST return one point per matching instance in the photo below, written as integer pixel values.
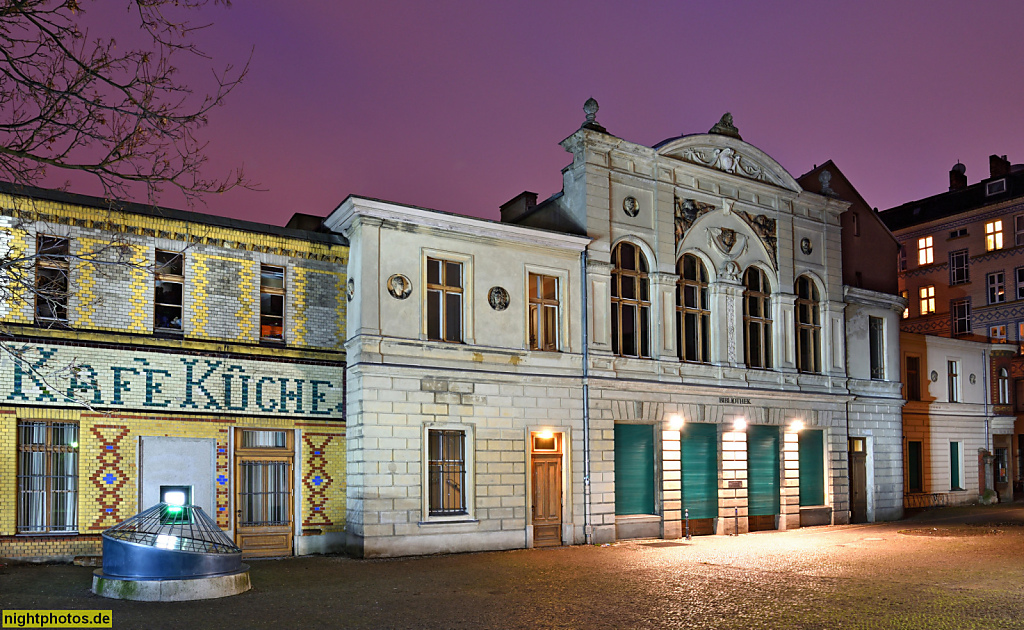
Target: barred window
(808, 326)
(631, 302)
(693, 317)
(47, 477)
(446, 469)
(444, 300)
(757, 319)
(959, 272)
(876, 339)
(52, 268)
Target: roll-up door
(634, 469)
(812, 467)
(762, 476)
(700, 470)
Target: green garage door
(634, 469)
(700, 469)
(812, 467)
(762, 470)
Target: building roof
(88, 201)
(953, 202)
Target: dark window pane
(272, 277)
(453, 275)
(705, 338)
(629, 331)
(628, 288)
(168, 292)
(644, 284)
(168, 317)
(645, 331)
(550, 328)
(550, 288)
(169, 263)
(433, 271)
(691, 296)
(453, 317)
(691, 337)
(434, 314)
(615, 328)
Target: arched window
(693, 318)
(757, 323)
(808, 326)
(631, 302)
(1004, 387)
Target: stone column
(790, 517)
(732, 493)
(671, 485)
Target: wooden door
(858, 487)
(547, 489)
(263, 493)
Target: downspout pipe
(985, 394)
(588, 535)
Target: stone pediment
(729, 155)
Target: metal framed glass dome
(169, 542)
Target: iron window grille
(959, 272)
(47, 477)
(876, 339)
(446, 452)
(168, 297)
(52, 269)
(543, 312)
(808, 326)
(444, 300)
(757, 319)
(693, 316)
(272, 293)
(265, 496)
(631, 302)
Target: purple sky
(460, 106)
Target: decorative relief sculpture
(399, 286)
(350, 289)
(724, 127)
(805, 246)
(498, 298)
(729, 246)
(730, 310)
(764, 226)
(729, 161)
(687, 211)
(631, 206)
(824, 178)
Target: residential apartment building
(149, 351)
(961, 267)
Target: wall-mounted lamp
(797, 426)
(740, 424)
(676, 422)
(546, 435)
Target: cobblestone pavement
(953, 568)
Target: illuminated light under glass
(164, 541)
(73, 445)
(174, 497)
(740, 424)
(676, 422)
(797, 426)
(546, 435)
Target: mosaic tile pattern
(110, 476)
(315, 479)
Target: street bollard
(686, 519)
(736, 522)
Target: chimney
(517, 207)
(998, 166)
(958, 177)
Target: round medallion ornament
(399, 286)
(498, 298)
(350, 289)
(935, 376)
(631, 206)
(805, 246)
(974, 379)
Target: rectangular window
(168, 292)
(925, 251)
(913, 378)
(903, 258)
(446, 469)
(956, 466)
(876, 335)
(1018, 229)
(994, 235)
(47, 477)
(906, 310)
(272, 303)
(997, 334)
(960, 311)
(1019, 274)
(52, 268)
(958, 272)
(915, 467)
(996, 287)
(543, 312)
(953, 380)
(444, 300)
(957, 233)
(996, 187)
(927, 295)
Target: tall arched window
(631, 302)
(1004, 387)
(808, 326)
(693, 318)
(757, 323)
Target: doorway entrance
(858, 481)
(263, 492)
(546, 470)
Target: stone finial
(590, 109)
(724, 127)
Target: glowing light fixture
(740, 424)
(73, 445)
(675, 422)
(174, 497)
(166, 542)
(546, 435)
(797, 426)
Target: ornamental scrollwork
(728, 160)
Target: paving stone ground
(952, 568)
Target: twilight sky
(459, 106)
